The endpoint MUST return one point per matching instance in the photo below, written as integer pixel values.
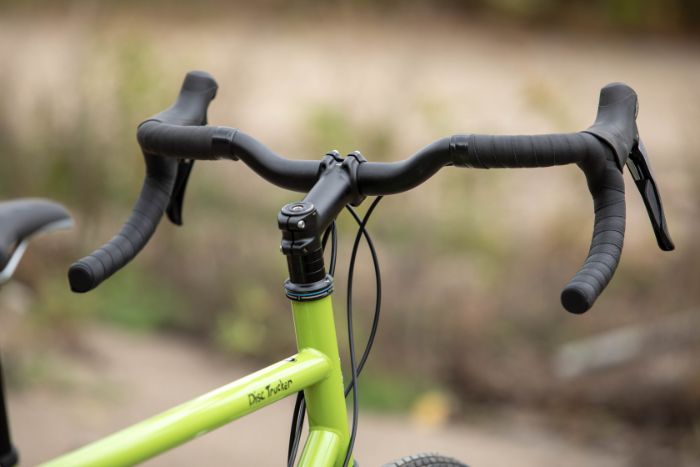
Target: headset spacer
(307, 292)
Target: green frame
(315, 369)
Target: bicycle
(20, 221)
(172, 140)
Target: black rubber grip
(190, 110)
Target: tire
(426, 460)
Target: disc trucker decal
(268, 391)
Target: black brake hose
(333, 232)
(378, 285)
(297, 426)
(361, 231)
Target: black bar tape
(88, 272)
(607, 187)
(187, 142)
(189, 112)
(487, 152)
(598, 161)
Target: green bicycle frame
(315, 369)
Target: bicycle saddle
(23, 218)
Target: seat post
(8, 454)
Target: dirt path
(103, 390)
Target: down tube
(203, 414)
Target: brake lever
(639, 167)
(177, 197)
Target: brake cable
(356, 369)
(378, 301)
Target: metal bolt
(301, 225)
(297, 207)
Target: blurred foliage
(397, 392)
(37, 369)
(135, 300)
(616, 15)
(328, 127)
(243, 329)
(625, 14)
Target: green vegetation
(329, 127)
(133, 299)
(393, 392)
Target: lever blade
(177, 197)
(639, 167)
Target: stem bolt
(301, 225)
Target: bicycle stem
(302, 224)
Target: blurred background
(475, 356)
